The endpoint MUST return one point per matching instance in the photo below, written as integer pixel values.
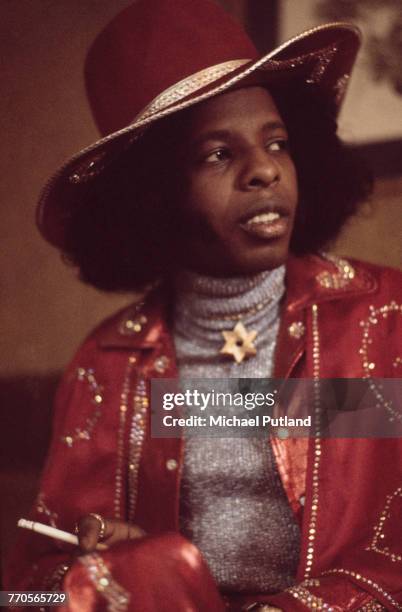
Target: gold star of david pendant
(239, 343)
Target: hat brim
(321, 59)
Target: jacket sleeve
(85, 472)
(80, 471)
(336, 593)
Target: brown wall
(44, 311)
(374, 234)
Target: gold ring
(102, 523)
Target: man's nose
(259, 170)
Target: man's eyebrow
(226, 134)
(213, 135)
(275, 125)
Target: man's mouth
(268, 217)
(266, 224)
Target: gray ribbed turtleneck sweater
(233, 505)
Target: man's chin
(238, 262)
(264, 261)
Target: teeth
(264, 218)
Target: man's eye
(281, 144)
(216, 156)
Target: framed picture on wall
(375, 92)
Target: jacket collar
(309, 280)
(320, 278)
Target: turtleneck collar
(206, 306)
(216, 303)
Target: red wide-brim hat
(158, 57)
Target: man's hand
(89, 528)
(163, 572)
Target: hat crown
(150, 46)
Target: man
(219, 176)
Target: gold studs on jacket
(88, 376)
(297, 330)
(339, 279)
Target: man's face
(239, 185)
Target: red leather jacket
(340, 319)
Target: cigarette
(52, 532)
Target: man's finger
(135, 532)
(89, 529)
(121, 531)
